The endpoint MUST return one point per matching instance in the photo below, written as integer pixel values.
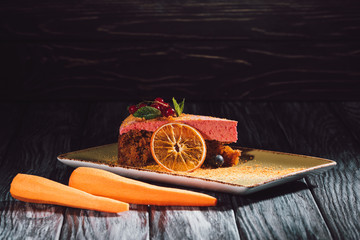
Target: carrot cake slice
(136, 130)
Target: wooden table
(325, 206)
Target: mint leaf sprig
(147, 112)
(179, 107)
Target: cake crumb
(240, 174)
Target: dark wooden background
(201, 50)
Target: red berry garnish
(155, 105)
(169, 112)
(159, 100)
(141, 105)
(133, 109)
(164, 106)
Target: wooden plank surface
(249, 50)
(197, 70)
(204, 19)
(83, 224)
(195, 222)
(9, 125)
(349, 114)
(45, 131)
(314, 130)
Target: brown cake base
(134, 150)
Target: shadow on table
(274, 192)
(25, 210)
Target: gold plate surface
(259, 169)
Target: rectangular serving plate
(258, 170)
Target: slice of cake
(211, 128)
(135, 133)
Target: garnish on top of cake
(137, 130)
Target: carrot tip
(35, 189)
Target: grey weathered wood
(19, 220)
(11, 118)
(349, 114)
(321, 133)
(10, 121)
(82, 224)
(45, 131)
(103, 122)
(195, 222)
(288, 210)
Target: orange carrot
(103, 183)
(35, 189)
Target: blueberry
(217, 161)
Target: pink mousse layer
(211, 128)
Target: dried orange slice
(178, 147)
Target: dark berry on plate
(133, 109)
(217, 161)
